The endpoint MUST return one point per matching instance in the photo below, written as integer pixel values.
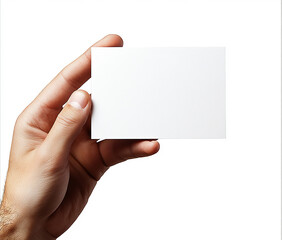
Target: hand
(54, 165)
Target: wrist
(14, 227)
(10, 226)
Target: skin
(54, 164)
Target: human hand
(54, 165)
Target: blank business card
(142, 93)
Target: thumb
(69, 123)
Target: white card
(142, 93)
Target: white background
(192, 189)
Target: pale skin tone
(54, 164)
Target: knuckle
(20, 121)
(24, 118)
(132, 153)
(48, 161)
(42, 154)
(67, 119)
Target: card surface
(142, 93)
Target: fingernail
(78, 100)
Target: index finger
(73, 76)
